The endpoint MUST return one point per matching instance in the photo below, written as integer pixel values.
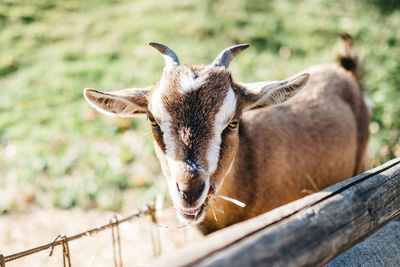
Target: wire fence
(113, 224)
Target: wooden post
(308, 232)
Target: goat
(252, 142)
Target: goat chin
(191, 218)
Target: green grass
(56, 151)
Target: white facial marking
(189, 81)
(222, 118)
(158, 109)
(164, 119)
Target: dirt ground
(21, 231)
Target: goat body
(286, 151)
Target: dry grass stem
(234, 201)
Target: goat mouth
(192, 214)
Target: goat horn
(226, 56)
(171, 59)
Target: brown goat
(250, 142)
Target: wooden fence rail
(308, 232)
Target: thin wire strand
(66, 253)
(144, 211)
(171, 227)
(53, 244)
(116, 242)
(65, 249)
(119, 244)
(113, 244)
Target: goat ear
(124, 103)
(263, 94)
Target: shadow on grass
(385, 6)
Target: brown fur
(321, 135)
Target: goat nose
(191, 194)
(193, 168)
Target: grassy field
(56, 151)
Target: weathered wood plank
(380, 249)
(310, 231)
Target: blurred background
(56, 151)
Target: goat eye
(153, 122)
(233, 124)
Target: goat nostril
(199, 189)
(177, 187)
